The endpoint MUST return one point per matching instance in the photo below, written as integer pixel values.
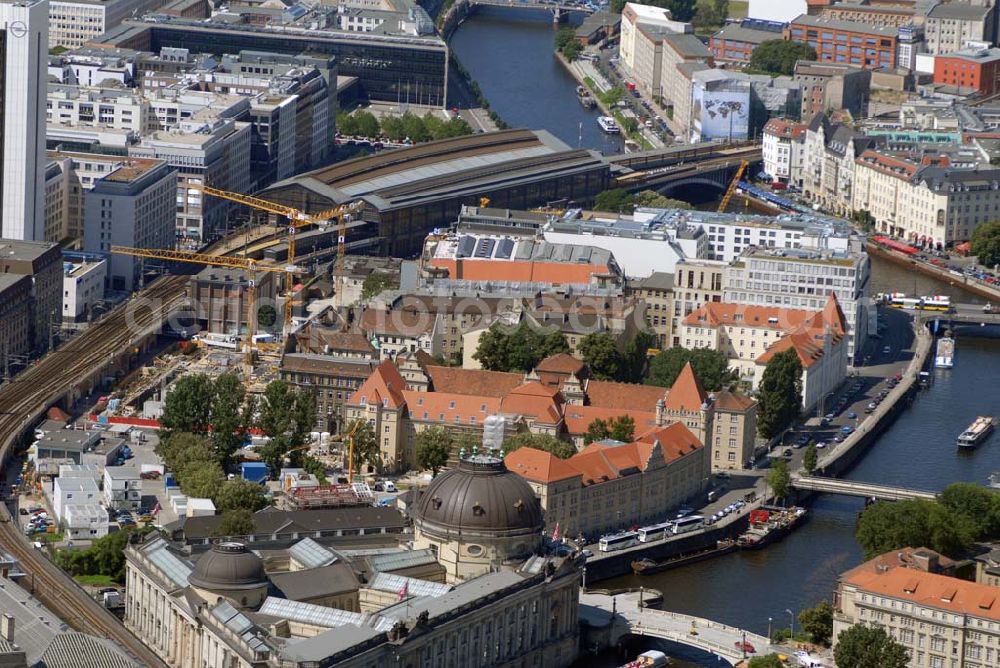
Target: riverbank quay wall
(966, 283)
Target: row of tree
(567, 45)
(399, 128)
(859, 646)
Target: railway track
(25, 398)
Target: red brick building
(846, 42)
(968, 70)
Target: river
(510, 55)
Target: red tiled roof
(556, 273)
(714, 314)
(560, 363)
(447, 408)
(539, 466)
(731, 401)
(535, 400)
(687, 394)
(631, 396)
(477, 382)
(578, 418)
(384, 385)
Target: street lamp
(769, 620)
(791, 616)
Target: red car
(744, 646)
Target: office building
(84, 278)
(132, 206)
(969, 71)
(847, 42)
(736, 41)
(73, 23)
(950, 26)
(16, 319)
(41, 262)
(22, 151)
(827, 87)
(721, 106)
(221, 297)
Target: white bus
(618, 541)
(655, 532)
(689, 523)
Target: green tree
(599, 351)
(392, 127)
(239, 493)
(347, 124)
(986, 243)
(366, 450)
(228, 430)
(779, 394)
(563, 37)
(635, 357)
(776, 56)
(367, 124)
(864, 219)
(560, 449)
(188, 406)
(711, 14)
(710, 366)
(616, 200)
(978, 506)
(201, 480)
(432, 449)
(105, 556)
(184, 447)
(810, 458)
(817, 621)
(572, 51)
(779, 479)
(766, 661)
(884, 527)
(869, 647)
(651, 199)
(238, 522)
(553, 343)
(630, 124)
(377, 282)
(414, 128)
(620, 428)
(520, 349)
(315, 467)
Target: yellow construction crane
(249, 265)
(296, 219)
(350, 450)
(732, 185)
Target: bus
(931, 303)
(689, 523)
(655, 532)
(618, 541)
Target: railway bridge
(712, 170)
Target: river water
(510, 55)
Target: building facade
(969, 70)
(41, 262)
(72, 24)
(782, 148)
(951, 26)
(836, 41)
(828, 87)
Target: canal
(510, 55)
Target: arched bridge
(627, 618)
(713, 171)
(860, 489)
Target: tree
(105, 556)
(347, 124)
(710, 366)
(188, 406)
(366, 450)
(779, 394)
(182, 448)
(619, 428)
(977, 505)
(572, 51)
(817, 621)
(599, 351)
(238, 522)
(616, 200)
(239, 493)
(869, 647)
(563, 37)
(630, 124)
(635, 356)
(651, 199)
(884, 527)
(228, 430)
(520, 349)
(711, 14)
(315, 467)
(810, 458)
(201, 480)
(377, 282)
(766, 661)
(776, 56)
(986, 243)
(560, 449)
(432, 449)
(392, 127)
(779, 479)
(367, 124)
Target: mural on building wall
(721, 114)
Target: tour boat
(945, 357)
(976, 433)
(608, 124)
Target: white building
(656, 18)
(71, 492)
(124, 109)
(85, 521)
(782, 11)
(122, 487)
(83, 286)
(71, 24)
(805, 279)
(782, 147)
(132, 206)
(22, 196)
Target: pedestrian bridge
(627, 618)
(557, 8)
(861, 489)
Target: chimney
(7, 627)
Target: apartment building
(751, 335)
(932, 203)
(805, 279)
(132, 206)
(863, 45)
(828, 163)
(782, 148)
(971, 70)
(635, 19)
(827, 87)
(951, 26)
(610, 486)
(736, 41)
(74, 23)
(941, 620)
(657, 291)
(121, 108)
(696, 282)
(734, 433)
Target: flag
(404, 591)
(555, 533)
(156, 508)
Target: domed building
(478, 516)
(229, 570)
